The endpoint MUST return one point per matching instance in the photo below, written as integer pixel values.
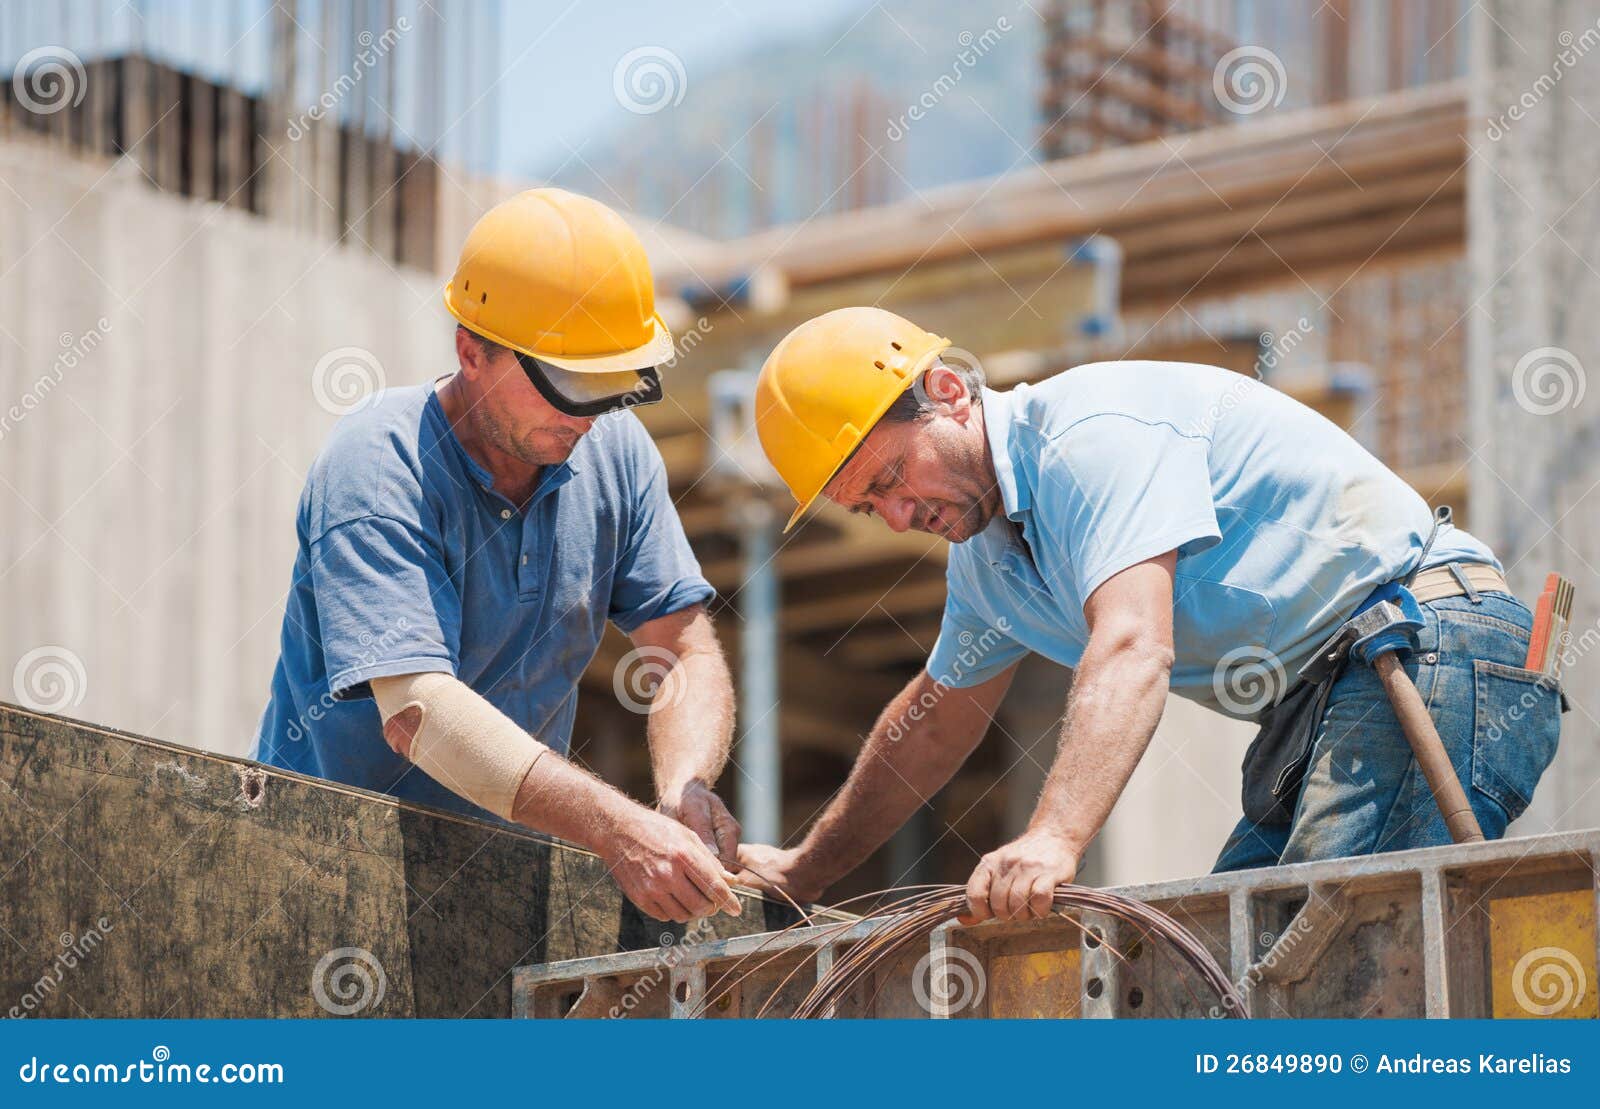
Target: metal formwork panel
(1504, 929)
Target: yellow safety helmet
(563, 281)
(827, 385)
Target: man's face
(513, 417)
(931, 475)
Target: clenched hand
(700, 810)
(667, 871)
(1018, 881)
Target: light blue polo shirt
(410, 562)
(1282, 522)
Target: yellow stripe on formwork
(1036, 985)
(1542, 955)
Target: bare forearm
(691, 721)
(912, 752)
(1118, 693)
(562, 799)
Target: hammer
(1382, 630)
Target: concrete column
(1533, 339)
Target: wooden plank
(1219, 168)
(195, 885)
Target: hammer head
(1390, 623)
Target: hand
(699, 809)
(666, 870)
(1018, 881)
(777, 868)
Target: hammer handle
(1428, 749)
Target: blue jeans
(1363, 792)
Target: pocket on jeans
(1516, 726)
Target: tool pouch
(1275, 762)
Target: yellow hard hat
(827, 385)
(563, 279)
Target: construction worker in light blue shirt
(1154, 526)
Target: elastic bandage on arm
(461, 741)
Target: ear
(942, 385)
(468, 353)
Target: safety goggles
(586, 394)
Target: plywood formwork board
(223, 886)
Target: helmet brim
(912, 378)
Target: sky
(560, 56)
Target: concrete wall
(168, 370)
(1534, 340)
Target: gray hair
(913, 404)
(489, 347)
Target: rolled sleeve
(657, 573)
(970, 650)
(1126, 491)
(385, 604)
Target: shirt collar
(551, 478)
(997, 425)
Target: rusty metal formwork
(1504, 929)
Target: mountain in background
(902, 97)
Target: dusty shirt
(1282, 522)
